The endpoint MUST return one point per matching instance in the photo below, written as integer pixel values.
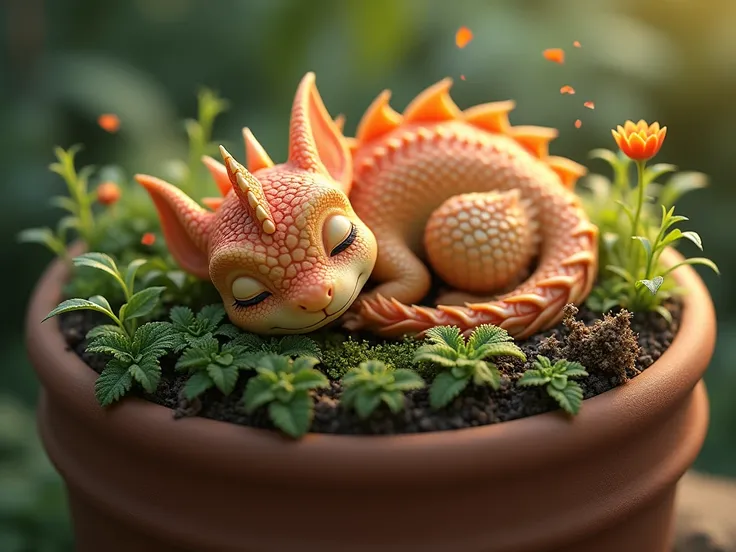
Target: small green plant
(340, 354)
(373, 382)
(288, 345)
(283, 384)
(194, 329)
(558, 380)
(136, 350)
(212, 365)
(632, 233)
(78, 205)
(464, 362)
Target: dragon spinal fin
(434, 104)
(568, 170)
(250, 192)
(379, 119)
(493, 116)
(255, 155)
(535, 139)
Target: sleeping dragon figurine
(290, 246)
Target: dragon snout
(316, 298)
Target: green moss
(341, 353)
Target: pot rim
(517, 444)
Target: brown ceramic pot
(138, 480)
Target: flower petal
(636, 147)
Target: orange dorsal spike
(534, 138)
(255, 155)
(219, 174)
(379, 119)
(493, 116)
(340, 122)
(213, 203)
(434, 104)
(568, 170)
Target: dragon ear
(186, 225)
(315, 141)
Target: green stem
(640, 196)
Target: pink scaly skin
(477, 200)
(283, 247)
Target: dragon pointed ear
(249, 190)
(186, 225)
(315, 141)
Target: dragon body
(462, 194)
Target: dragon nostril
(329, 293)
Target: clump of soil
(614, 348)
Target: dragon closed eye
(339, 234)
(248, 292)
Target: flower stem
(640, 196)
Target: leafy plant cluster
(637, 223)
(108, 212)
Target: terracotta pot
(605, 482)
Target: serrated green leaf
(487, 334)
(142, 303)
(447, 336)
(442, 355)
(112, 343)
(485, 373)
(155, 338)
(198, 383)
(258, 392)
(294, 417)
(103, 329)
(394, 400)
(303, 363)
(305, 380)
(572, 369)
(298, 345)
(570, 398)
(498, 349)
(194, 358)
(182, 317)
(212, 315)
(366, 403)
(445, 388)
(532, 377)
(224, 377)
(228, 330)
(249, 340)
(148, 374)
(406, 380)
(113, 383)
(71, 305)
(131, 272)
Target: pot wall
(604, 482)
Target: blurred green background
(66, 61)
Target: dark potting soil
(613, 349)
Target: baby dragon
(463, 191)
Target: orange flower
(639, 141)
(108, 193)
(148, 238)
(463, 36)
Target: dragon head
(283, 247)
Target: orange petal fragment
(148, 239)
(556, 55)
(589, 105)
(463, 36)
(567, 90)
(462, 77)
(576, 44)
(578, 123)
(109, 122)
